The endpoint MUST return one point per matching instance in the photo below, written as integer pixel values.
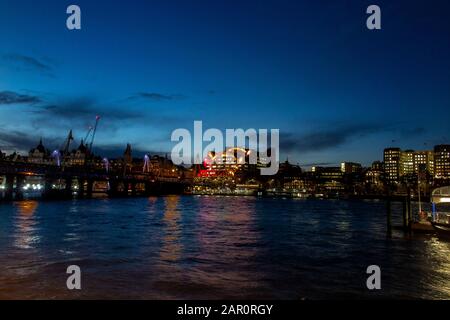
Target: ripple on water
(214, 247)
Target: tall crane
(69, 139)
(97, 119)
(88, 133)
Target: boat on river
(440, 215)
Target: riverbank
(58, 196)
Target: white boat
(440, 220)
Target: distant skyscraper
(424, 162)
(442, 161)
(392, 159)
(407, 162)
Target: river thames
(204, 247)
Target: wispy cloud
(28, 63)
(84, 108)
(21, 141)
(325, 139)
(154, 96)
(408, 132)
(79, 113)
(10, 97)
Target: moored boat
(439, 219)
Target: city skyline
(396, 162)
(336, 94)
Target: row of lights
(32, 186)
(26, 187)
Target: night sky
(336, 90)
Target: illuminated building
(392, 160)
(407, 163)
(399, 163)
(424, 162)
(374, 175)
(78, 157)
(377, 165)
(289, 176)
(442, 161)
(350, 167)
(227, 163)
(329, 178)
(327, 172)
(39, 155)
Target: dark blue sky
(336, 90)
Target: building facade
(442, 161)
(351, 167)
(424, 162)
(407, 163)
(392, 161)
(410, 163)
(39, 155)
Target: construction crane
(66, 146)
(97, 119)
(88, 133)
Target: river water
(200, 247)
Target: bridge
(85, 180)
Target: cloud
(9, 97)
(84, 108)
(56, 116)
(80, 112)
(20, 141)
(13, 140)
(325, 139)
(29, 63)
(154, 96)
(408, 132)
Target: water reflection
(227, 228)
(228, 232)
(151, 207)
(152, 199)
(215, 247)
(439, 253)
(26, 236)
(171, 245)
(27, 207)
